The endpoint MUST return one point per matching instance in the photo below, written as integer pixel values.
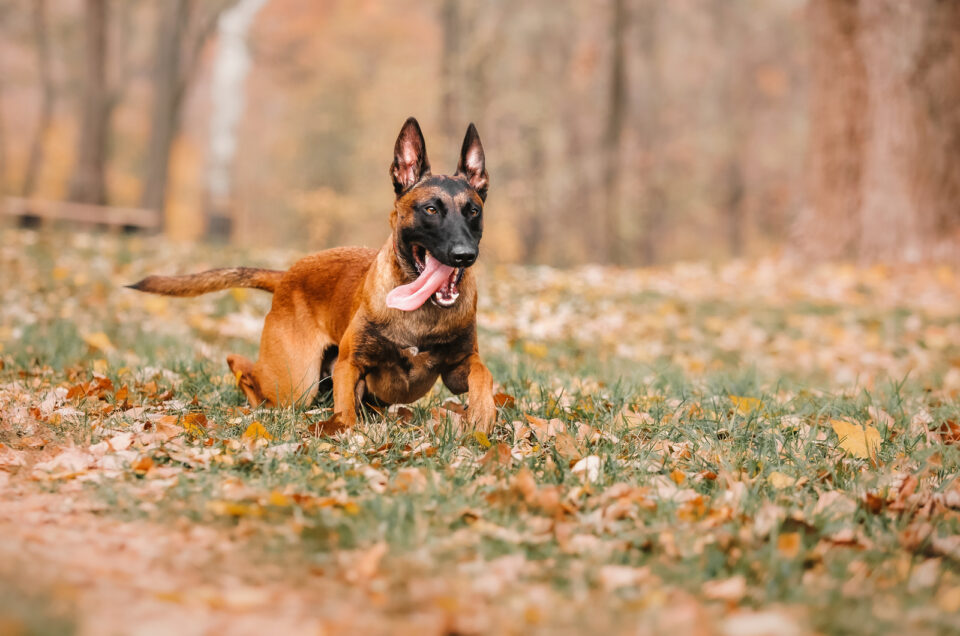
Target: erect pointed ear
(410, 163)
(472, 164)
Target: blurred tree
(450, 67)
(47, 97)
(651, 128)
(733, 93)
(613, 135)
(88, 184)
(231, 64)
(829, 225)
(884, 131)
(182, 30)
(5, 10)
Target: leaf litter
(743, 448)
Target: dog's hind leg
(288, 370)
(243, 370)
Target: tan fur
(210, 281)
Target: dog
(362, 315)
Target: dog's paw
(482, 415)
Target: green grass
(689, 482)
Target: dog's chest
(397, 373)
(400, 366)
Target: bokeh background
(617, 131)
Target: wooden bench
(82, 213)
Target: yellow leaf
(481, 437)
(235, 508)
(155, 304)
(60, 273)
(194, 423)
(859, 441)
(788, 544)
(677, 476)
(239, 294)
(745, 405)
(99, 341)
(279, 499)
(780, 481)
(536, 349)
(256, 431)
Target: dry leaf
(745, 405)
(256, 431)
(504, 400)
(99, 341)
(780, 481)
(788, 544)
(588, 468)
(859, 441)
(481, 438)
(732, 589)
(614, 577)
(567, 447)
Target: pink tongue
(412, 295)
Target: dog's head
(437, 215)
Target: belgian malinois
(362, 315)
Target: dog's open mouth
(436, 281)
(449, 290)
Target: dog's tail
(210, 281)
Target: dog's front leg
(472, 372)
(347, 379)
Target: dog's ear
(472, 164)
(410, 163)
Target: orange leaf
(788, 544)
(504, 400)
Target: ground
(743, 448)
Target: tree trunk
(167, 95)
(35, 155)
(884, 162)
(449, 68)
(613, 135)
(653, 198)
(227, 99)
(829, 224)
(3, 147)
(733, 94)
(911, 169)
(88, 184)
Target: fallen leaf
(567, 447)
(504, 400)
(780, 481)
(745, 405)
(498, 456)
(99, 341)
(614, 577)
(588, 468)
(195, 423)
(481, 438)
(859, 441)
(788, 544)
(256, 431)
(731, 590)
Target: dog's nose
(463, 255)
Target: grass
(670, 458)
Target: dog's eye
(474, 212)
(430, 209)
